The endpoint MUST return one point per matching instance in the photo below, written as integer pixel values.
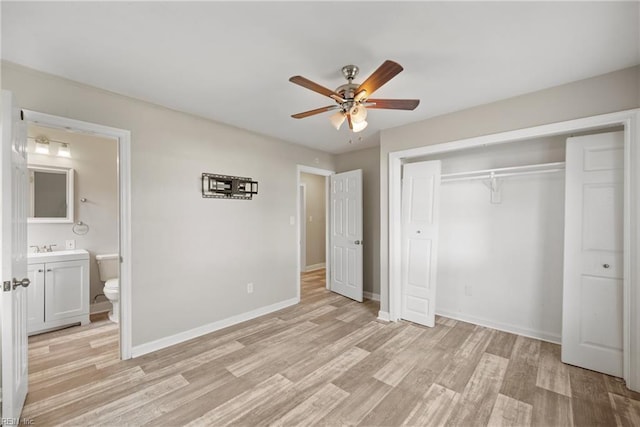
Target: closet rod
(504, 172)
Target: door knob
(606, 265)
(24, 282)
(357, 242)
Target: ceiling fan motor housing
(350, 72)
(347, 92)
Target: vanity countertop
(56, 256)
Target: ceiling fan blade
(393, 104)
(383, 74)
(306, 83)
(314, 112)
(349, 120)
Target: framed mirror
(50, 194)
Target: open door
(420, 210)
(592, 303)
(346, 234)
(13, 259)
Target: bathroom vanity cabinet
(59, 291)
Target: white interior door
(346, 234)
(13, 258)
(420, 207)
(593, 292)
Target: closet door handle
(606, 265)
(40, 270)
(49, 270)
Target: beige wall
(315, 212)
(191, 257)
(610, 92)
(94, 161)
(369, 161)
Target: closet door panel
(420, 200)
(593, 291)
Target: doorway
(72, 233)
(120, 244)
(313, 224)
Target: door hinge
(6, 286)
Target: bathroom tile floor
(326, 361)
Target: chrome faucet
(44, 248)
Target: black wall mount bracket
(215, 186)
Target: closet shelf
(503, 172)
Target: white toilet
(109, 267)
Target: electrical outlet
(70, 244)
(310, 218)
(292, 220)
(249, 288)
(467, 290)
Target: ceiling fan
(352, 99)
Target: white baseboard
(371, 296)
(315, 267)
(384, 316)
(505, 327)
(161, 343)
(100, 307)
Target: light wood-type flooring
(327, 362)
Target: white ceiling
(231, 61)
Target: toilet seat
(112, 284)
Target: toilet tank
(108, 266)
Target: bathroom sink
(56, 256)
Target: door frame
(326, 173)
(123, 137)
(630, 120)
(302, 224)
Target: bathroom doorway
(73, 257)
(83, 248)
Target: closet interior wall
(501, 264)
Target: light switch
(292, 220)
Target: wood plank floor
(327, 362)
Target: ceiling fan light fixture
(337, 119)
(360, 96)
(358, 113)
(359, 126)
(352, 99)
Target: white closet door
(346, 234)
(420, 206)
(593, 293)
